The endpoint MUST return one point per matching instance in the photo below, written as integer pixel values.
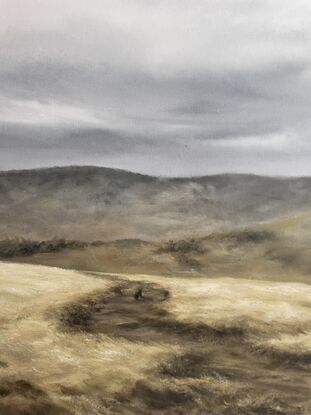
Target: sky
(166, 87)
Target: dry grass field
(275, 251)
(93, 343)
(211, 325)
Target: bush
(10, 248)
(183, 247)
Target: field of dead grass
(81, 344)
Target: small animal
(138, 294)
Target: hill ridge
(136, 173)
(90, 203)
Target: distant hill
(90, 203)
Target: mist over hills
(92, 203)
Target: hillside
(276, 251)
(89, 203)
(147, 295)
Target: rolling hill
(156, 295)
(90, 203)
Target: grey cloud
(142, 79)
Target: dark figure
(138, 294)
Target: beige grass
(35, 349)
(96, 367)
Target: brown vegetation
(10, 248)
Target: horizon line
(90, 166)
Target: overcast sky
(169, 87)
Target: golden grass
(285, 256)
(33, 348)
(94, 373)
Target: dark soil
(138, 312)
(20, 397)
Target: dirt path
(137, 310)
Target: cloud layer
(179, 87)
